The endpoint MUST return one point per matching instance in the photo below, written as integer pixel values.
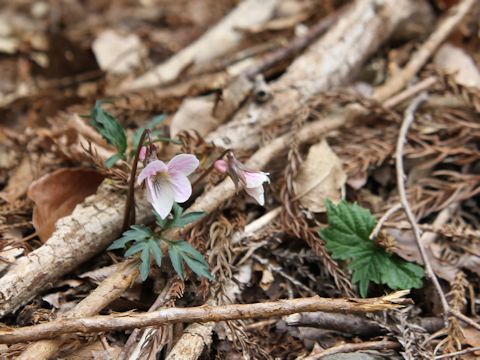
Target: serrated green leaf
(347, 238)
(145, 264)
(199, 268)
(109, 128)
(135, 249)
(176, 260)
(156, 251)
(187, 219)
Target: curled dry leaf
(320, 177)
(56, 194)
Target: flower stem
(129, 215)
(210, 168)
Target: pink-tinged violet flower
(252, 181)
(168, 183)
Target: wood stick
(420, 57)
(200, 314)
(345, 348)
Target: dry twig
(200, 314)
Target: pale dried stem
(398, 81)
(383, 219)
(346, 348)
(457, 353)
(201, 314)
(402, 138)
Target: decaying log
(201, 314)
(213, 44)
(91, 227)
(328, 63)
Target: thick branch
(200, 314)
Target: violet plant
(166, 185)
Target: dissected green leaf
(180, 252)
(156, 251)
(187, 219)
(199, 268)
(135, 233)
(347, 238)
(135, 248)
(110, 129)
(145, 264)
(176, 260)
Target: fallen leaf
(56, 194)
(117, 53)
(320, 177)
(19, 181)
(455, 60)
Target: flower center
(161, 176)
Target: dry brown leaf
(56, 194)
(19, 181)
(321, 177)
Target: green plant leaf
(176, 260)
(347, 238)
(199, 268)
(182, 252)
(135, 233)
(110, 162)
(187, 219)
(177, 211)
(156, 251)
(186, 248)
(145, 263)
(109, 128)
(135, 249)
